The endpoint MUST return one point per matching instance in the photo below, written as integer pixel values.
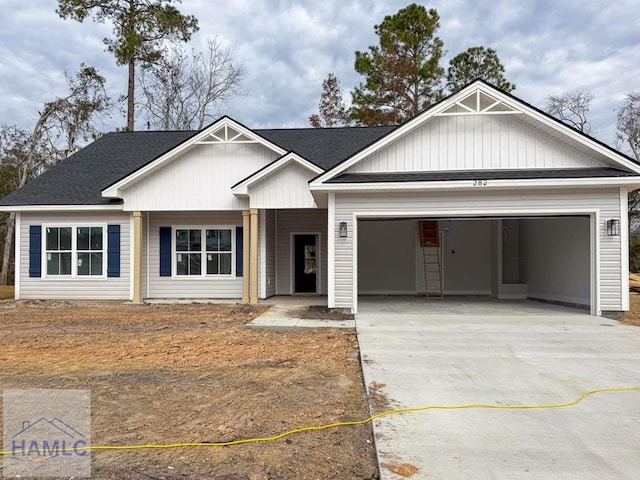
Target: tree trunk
(8, 243)
(130, 95)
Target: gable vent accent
(479, 103)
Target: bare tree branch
(61, 126)
(572, 108)
(183, 92)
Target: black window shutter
(165, 251)
(239, 250)
(113, 250)
(35, 250)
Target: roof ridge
(346, 127)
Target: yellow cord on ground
(356, 422)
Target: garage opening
(510, 258)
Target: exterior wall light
(613, 227)
(343, 229)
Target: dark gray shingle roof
(80, 179)
(326, 147)
(444, 175)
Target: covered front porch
(247, 255)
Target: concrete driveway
(505, 353)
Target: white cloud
(288, 48)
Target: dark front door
(305, 264)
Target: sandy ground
(6, 292)
(632, 317)
(174, 373)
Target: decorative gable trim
(241, 189)
(224, 130)
(477, 98)
(479, 103)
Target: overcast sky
(289, 47)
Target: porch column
(245, 256)
(137, 257)
(253, 268)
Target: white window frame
(203, 252)
(74, 250)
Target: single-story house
(526, 207)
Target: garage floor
(480, 350)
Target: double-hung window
(74, 251)
(59, 250)
(203, 251)
(89, 250)
(219, 251)
(188, 251)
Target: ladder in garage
(430, 243)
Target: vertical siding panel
(199, 179)
(474, 142)
(285, 188)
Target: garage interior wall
(542, 258)
(556, 258)
(390, 259)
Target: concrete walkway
(286, 316)
(501, 353)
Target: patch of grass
(6, 292)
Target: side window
(89, 250)
(203, 251)
(219, 252)
(74, 251)
(188, 252)
(58, 250)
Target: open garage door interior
(510, 258)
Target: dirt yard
(164, 374)
(632, 317)
(6, 292)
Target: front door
(305, 268)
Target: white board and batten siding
(285, 188)
(475, 142)
(155, 286)
(300, 221)
(80, 288)
(606, 202)
(200, 179)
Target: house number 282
(479, 183)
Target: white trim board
(262, 236)
(17, 237)
(477, 184)
(60, 208)
(331, 254)
(132, 256)
(624, 247)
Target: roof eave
(632, 182)
(57, 208)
